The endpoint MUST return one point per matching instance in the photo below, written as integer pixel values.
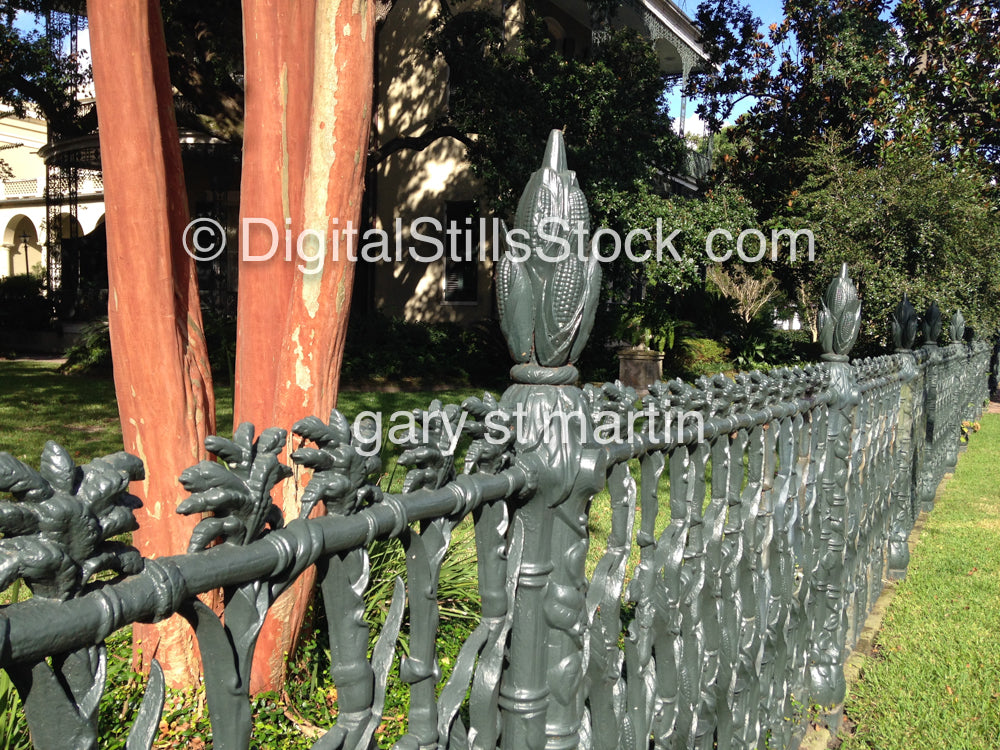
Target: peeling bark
(308, 90)
(162, 376)
(309, 80)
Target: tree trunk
(809, 311)
(308, 93)
(162, 377)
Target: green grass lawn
(934, 679)
(38, 404)
(80, 413)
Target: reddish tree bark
(308, 93)
(162, 377)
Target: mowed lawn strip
(934, 679)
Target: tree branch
(416, 143)
(36, 93)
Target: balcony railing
(697, 165)
(22, 188)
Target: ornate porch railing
(767, 508)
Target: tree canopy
(36, 73)
(911, 223)
(874, 129)
(204, 54)
(509, 93)
(948, 79)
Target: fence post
(927, 482)
(958, 390)
(904, 332)
(547, 299)
(839, 323)
(981, 354)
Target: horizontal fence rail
(767, 509)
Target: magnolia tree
(308, 74)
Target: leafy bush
(23, 305)
(786, 348)
(378, 348)
(914, 223)
(91, 352)
(693, 357)
(381, 348)
(764, 347)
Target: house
(22, 194)
(52, 206)
(30, 224)
(436, 183)
(52, 195)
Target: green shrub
(381, 348)
(785, 348)
(23, 305)
(378, 348)
(693, 357)
(767, 347)
(91, 352)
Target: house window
(461, 265)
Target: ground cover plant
(933, 681)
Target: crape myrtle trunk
(308, 92)
(162, 377)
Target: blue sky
(768, 10)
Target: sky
(769, 11)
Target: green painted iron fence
(768, 509)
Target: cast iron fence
(785, 499)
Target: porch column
(7, 260)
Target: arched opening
(22, 251)
(82, 291)
(67, 227)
